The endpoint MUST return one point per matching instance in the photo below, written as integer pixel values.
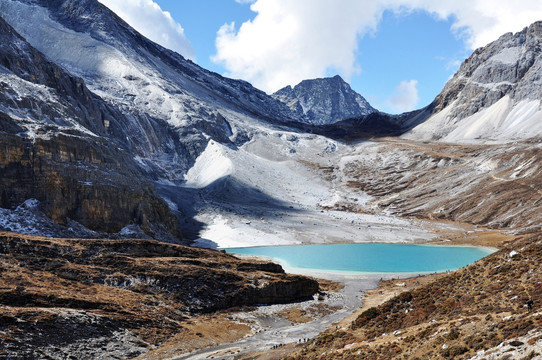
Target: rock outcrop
(84, 181)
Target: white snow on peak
(211, 165)
(507, 56)
(482, 124)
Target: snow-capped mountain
(156, 88)
(324, 101)
(94, 110)
(495, 95)
(81, 83)
(64, 146)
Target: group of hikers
(281, 345)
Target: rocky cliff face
(495, 94)
(324, 101)
(58, 146)
(75, 179)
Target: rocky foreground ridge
(92, 298)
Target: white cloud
(482, 21)
(405, 97)
(148, 18)
(289, 41)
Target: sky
(398, 54)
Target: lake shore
(275, 331)
(278, 329)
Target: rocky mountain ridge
(495, 94)
(157, 89)
(324, 101)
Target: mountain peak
(324, 100)
(495, 94)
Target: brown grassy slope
(55, 293)
(460, 314)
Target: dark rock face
(512, 65)
(55, 148)
(324, 101)
(83, 181)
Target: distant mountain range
(94, 113)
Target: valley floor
(281, 325)
(283, 189)
(278, 330)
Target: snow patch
(171, 204)
(210, 166)
(26, 219)
(228, 233)
(502, 122)
(129, 230)
(482, 124)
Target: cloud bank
(148, 18)
(289, 41)
(405, 96)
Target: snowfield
(273, 191)
(210, 166)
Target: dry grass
(79, 290)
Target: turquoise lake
(369, 258)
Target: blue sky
(417, 46)
(396, 53)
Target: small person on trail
(529, 304)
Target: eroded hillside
(497, 186)
(84, 298)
